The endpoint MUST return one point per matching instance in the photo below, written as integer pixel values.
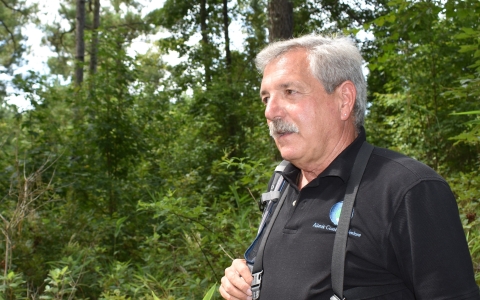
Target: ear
(346, 95)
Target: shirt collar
(341, 166)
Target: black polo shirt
(405, 228)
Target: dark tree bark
(205, 43)
(228, 58)
(280, 19)
(94, 45)
(80, 42)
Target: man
(405, 228)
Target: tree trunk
(228, 58)
(205, 43)
(94, 45)
(80, 42)
(280, 18)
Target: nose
(273, 109)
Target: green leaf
(468, 30)
(473, 112)
(210, 292)
(155, 296)
(467, 48)
(391, 18)
(380, 21)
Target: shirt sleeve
(430, 244)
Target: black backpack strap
(341, 235)
(271, 203)
(275, 187)
(257, 270)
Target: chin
(288, 155)
(289, 150)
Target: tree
(94, 43)
(329, 17)
(205, 41)
(280, 17)
(63, 42)
(226, 21)
(158, 166)
(13, 15)
(79, 41)
(410, 74)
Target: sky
(36, 60)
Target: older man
(405, 231)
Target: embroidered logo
(335, 217)
(335, 212)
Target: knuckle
(226, 284)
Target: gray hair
(332, 61)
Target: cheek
(308, 117)
(313, 121)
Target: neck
(308, 173)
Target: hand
(237, 281)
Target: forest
(137, 176)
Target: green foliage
(143, 182)
(472, 133)
(12, 286)
(59, 283)
(465, 186)
(417, 64)
(334, 16)
(469, 87)
(14, 14)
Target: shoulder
(391, 175)
(389, 165)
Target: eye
(290, 92)
(265, 100)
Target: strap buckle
(335, 297)
(267, 198)
(256, 283)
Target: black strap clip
(256, 283)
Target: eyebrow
(281, 86)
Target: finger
(240, 265)
(225, 295)
(236, 285)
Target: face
(306, 121)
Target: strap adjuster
(256, 283)
(267, 197)
(335, 297)
(270, 196)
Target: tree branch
(12, 8)
(11, 34)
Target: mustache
(278, 127)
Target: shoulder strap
(257, 269)
(275, 187)
(277, 192)
(341, 236)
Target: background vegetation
(133, 177)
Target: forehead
(291, 60)
(287, 69)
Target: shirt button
(294, 202)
